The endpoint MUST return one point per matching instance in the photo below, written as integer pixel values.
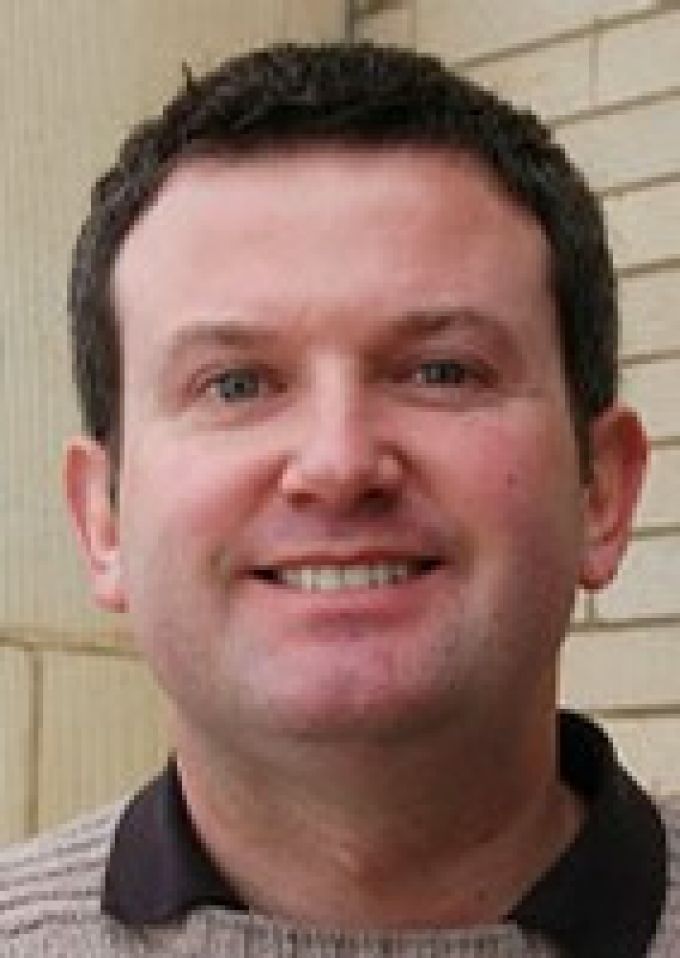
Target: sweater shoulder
(56, 876)
(669, 809)
(668, 937)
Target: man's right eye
(235, 384)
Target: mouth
(346, 576)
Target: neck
(431, 834)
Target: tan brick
(312, 20)
(644, 226)
(41, 582)
(654, 389)
(628, 146)
(650, 307)
(639, 58)
(580, 611)
(660, 503)
(648, 583)
(650, 747)
(394, 25)
(458, 29)
(627, 669)
(101, 732)
(15, 758)
(553, 81)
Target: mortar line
(35, 741)
(614, 107)
(604, 24)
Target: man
(345, 340)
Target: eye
(231, 385)
(445, 372)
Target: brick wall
(606, 74)
(79, 719)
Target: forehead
(383, 229)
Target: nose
(343, 458)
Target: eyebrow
(429, 321)
(412, 325)
(227, 333)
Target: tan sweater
(50, 892)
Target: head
(348, 95)
(345, 337)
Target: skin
(354, 741)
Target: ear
(619, 457)
(87, 477)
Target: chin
(379, 715)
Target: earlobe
(619, 457)
(94, 519)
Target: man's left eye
(446, 372)
(236, 384)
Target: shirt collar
(604, 896)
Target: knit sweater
(50, 907)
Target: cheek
(196, 485)
(517, 477)
(534, 507)
(191, 498)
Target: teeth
(328, 578)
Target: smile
(331, 578)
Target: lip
(381, 606)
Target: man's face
(349, 495)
